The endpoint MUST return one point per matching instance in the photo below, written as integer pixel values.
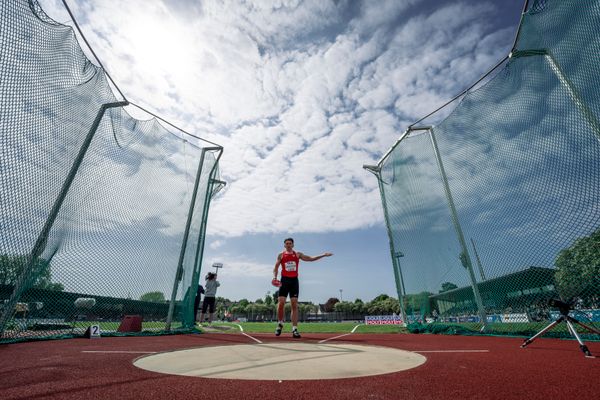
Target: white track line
(245, 334)
(336, 337)
(450, 351)
(118, 351)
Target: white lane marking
(337, 337)
(245, 334)
(450, 351)
(118, 351)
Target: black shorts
(208, 303)
(289, 286)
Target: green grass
(316, 327)
(262, 327)
(113, 326)
(504, 329)
(517, 329)
(533, 327)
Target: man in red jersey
(289, 261)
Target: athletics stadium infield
(318, 366)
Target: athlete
(289, 261)
(209, 297)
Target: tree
(390, 306)
(311, 308)
(381, 297)
(268, 300)
(222, 300)
(153, 297)
(220, 310)
(358, 306)
(243, 302)
(343, 306)
(578, 268)
(446, 286)
(261, 310)
(380, 305)
(11, 268)
(237, 310)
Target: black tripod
(564, 309)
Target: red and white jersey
(289, 264)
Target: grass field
(315, 327)
(516, 329)
(258, 327)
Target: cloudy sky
(301, 94)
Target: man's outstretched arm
(304, 257)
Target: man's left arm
(304, 257)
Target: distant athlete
(210, 294)
(289, 261)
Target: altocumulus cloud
(300, 93)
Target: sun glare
(160, 44)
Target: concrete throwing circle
(282, 361)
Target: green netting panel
(418, 216)
(193, 255)
(115, 232)
(496, 210)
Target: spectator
(209, 297)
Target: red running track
(546, 369)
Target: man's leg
(280, 315)
(294, 301)
(294, 311)
(280, 309)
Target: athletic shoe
(296, 334)
(278, 330)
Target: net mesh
(495, 211)
(93, 203)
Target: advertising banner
(383, 320)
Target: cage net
(496, 210)
(95, 206)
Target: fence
(100, 214)
(495, 210)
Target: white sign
(94, 331)
(383, 320)
(514, 317)
(217, 265)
